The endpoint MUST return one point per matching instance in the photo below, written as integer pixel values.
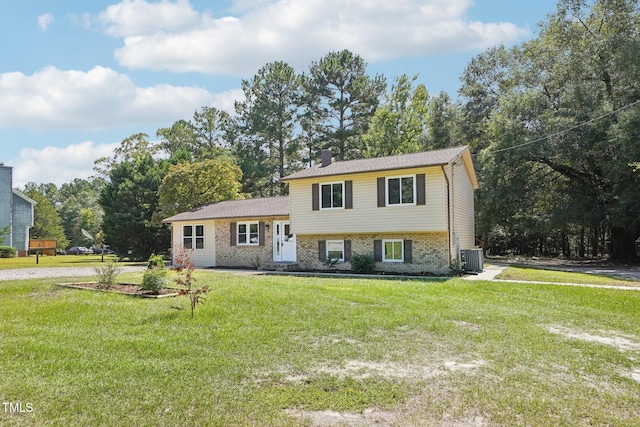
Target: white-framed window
(193, 236)
(393, 250)
(248, 233)
(335, 250)
(332, 195)
(401, 190)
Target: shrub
(456, 267)
(7, 252)
(362, 263)
(155, 261)
(154, 280)
(107, 275)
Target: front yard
(272, 350)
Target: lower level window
(335, 250)
(193, 236)
(248, 233)
(393, 250)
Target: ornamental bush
(362, 263)
(155, 277)
(7, 252)
(154, 280)
(155, 261)
(107, 275)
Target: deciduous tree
(399, 125)
(189, 185)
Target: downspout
(446, 178)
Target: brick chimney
(326, 158)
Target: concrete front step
(280, 266)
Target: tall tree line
(552, 123)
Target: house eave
(365, 171)
(223, 218)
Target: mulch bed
(122, 288)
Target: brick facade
(243, 256)
(429, 252)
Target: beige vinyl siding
(201, 257)
(366, 216)
(463, 211)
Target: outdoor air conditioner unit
(472, 259)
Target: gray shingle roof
(248, 208)
(402, 161)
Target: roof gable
(402, 161)
(24, 197)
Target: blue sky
(76, 78)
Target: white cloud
(44, 21)
(173, 36)
(58, 165)
(136, 17)
(81, 20)
(98, 99)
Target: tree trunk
(566, 250)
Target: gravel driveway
(40, 273)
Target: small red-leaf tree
(184, 280)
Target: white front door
(284, 243)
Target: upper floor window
(193, 236)
(401, 190)
(332, 195)
(406, 190)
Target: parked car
(99, 249)
(79, 250)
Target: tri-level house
(16, 213)
(414, 213)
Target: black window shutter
(377, 250)
(315, 196)
(322, 250)
(232, 234)
(381, 193)
(261, 233)
(347, 250)
(348, 194)
(408, 251)
(420, 189)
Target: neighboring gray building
(16, 212)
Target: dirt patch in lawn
(360, 370)
(622, 342)
(368, 417)
(122, 288)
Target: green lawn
(274, 350)
(541, 275)
(57, 261)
